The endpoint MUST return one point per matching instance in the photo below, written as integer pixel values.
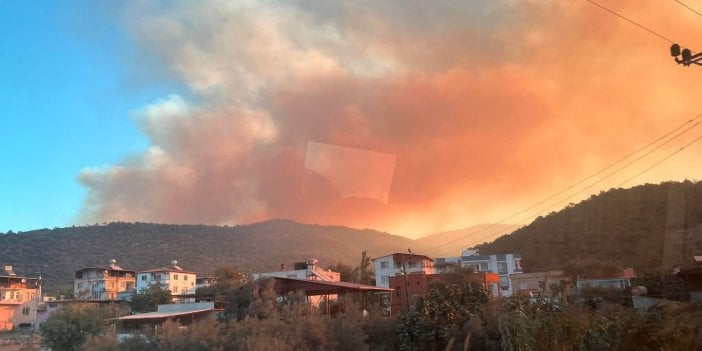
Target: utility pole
(685, 57)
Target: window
(502, 267)
(397, 265)
(143, 277)
(397, 291)
(175, 277)
(156, 277)
(122, 284)
(384, 264)
(185, 277)
(112, 284)
(504, 283)
(517, 264)
(384, 279)
(25, 311)
(412, 264)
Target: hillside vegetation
(57, 253)
(615, 229)
(648, 227)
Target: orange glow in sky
(412, 117)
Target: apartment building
(179, 282)
(110, 283)
(398, 264)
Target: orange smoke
(486, 107)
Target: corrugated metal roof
(161, 315)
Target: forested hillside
(648, 227)
(57, 253)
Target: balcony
(12, 302)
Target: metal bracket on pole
(686, 57)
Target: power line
(584, 180)
(660, 161)
(657, 163)
(688, 7)
(631, 21)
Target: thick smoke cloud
(486, 106)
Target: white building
(308, 270)
(109, 283)
(179, 282)
(398, 264)
(503, 265)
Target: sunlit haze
(412, 117)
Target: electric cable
(586, 178)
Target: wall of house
(95, 284)
(389, 266)
(181, 283)
(19, 310)
(538, 282)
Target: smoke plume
(421, 116)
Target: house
(307, 270)
(607, 283)
(205, 281)
(179, 282)
(407, 288)
(320, 293)
(543, 284)
(19, 299)
(399, 264)
(109, 283)
(504, 265)
(184, 313)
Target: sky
(411, 117)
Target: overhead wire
(648, 145)
(688, 7)
(649, 30)
(631, 21)
(657, 163)
(661, 161)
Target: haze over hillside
(56, 253)
(647, 227)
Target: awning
(316, 287)
(161, 315)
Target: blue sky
(68, 94)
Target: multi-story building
(398, 264)
(503, 265)
(308, 270)
(19, 298)
(109, 283)
(179, 282)
(541, 284)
